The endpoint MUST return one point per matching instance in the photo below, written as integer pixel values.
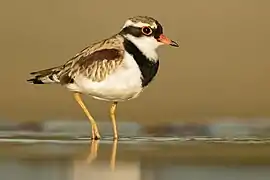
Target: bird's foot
(115, 137)
(95, 134)
(95, 138)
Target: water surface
(139, 158)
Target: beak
(162, 38)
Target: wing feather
(95, 62)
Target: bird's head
(146, 33)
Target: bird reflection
(113, 156)
(94, 152)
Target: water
(225, 148)
(61, 150)
(140, 158)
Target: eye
(146, 30)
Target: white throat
(147, 45)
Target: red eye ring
(147, 30)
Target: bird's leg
(112, 115)
(95, 132)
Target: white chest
(123, 84)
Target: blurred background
(221, 69)
(215, 85)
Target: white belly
(123, 84)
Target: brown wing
(95, 62)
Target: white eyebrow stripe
(138, 24)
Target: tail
(46, 76)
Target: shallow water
(61, 150)
(144, 158)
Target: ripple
(47, 138)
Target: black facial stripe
(137, 31)
(158, 31)
(134, 31)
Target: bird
(115, 69)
